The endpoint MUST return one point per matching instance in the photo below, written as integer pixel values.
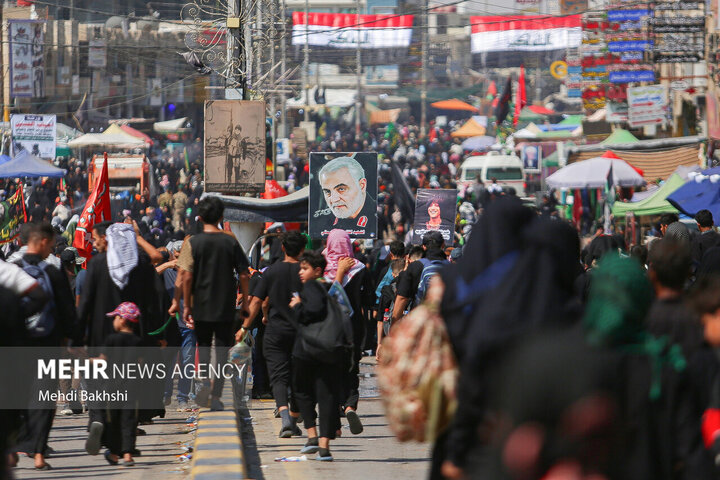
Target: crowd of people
(577, 357)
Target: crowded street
(272, 239)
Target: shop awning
(471, 128)
(655, 204)
(454, 104)
(171, 126)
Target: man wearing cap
(432, 243)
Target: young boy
(121, 346)
(387, 299)
(315, 382)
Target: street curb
(218, 450)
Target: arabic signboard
(27, 69)
(386, 36)
(632, 76)
(97, 56)
(679, 30)
(234, 146)
(343, 193)
(34, 133)
(647, 105)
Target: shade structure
(4, 159)
(701, 192)
(471, 128)
(655, 204)
(128, 130)
(620, 136)
(540, 110)
(593, 173)
(116, 129)
(107, 140)
(454, 104)
(25, 165)
(171, 126)
(384, 116)
(478, 143)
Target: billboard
(647, 105)
(234, 146)
(27, 64)
(334, 37)
(434, 211)
(34, 133)
(343, 193)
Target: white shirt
(15, 279)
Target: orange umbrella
(454, 104)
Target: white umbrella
(593, 173)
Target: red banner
(97, 209)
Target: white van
(506, 169)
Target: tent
(471, 128)
(593, 173)
(620, 136)
(540, 110)
(699, 193)
(115, 140)
(454, 104)
(127, 130)
(25, 164)
(171, 126)
(655, 204)
(478, 143)
(4, 159)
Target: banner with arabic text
(12, 215)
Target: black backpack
(329, 340)
(42, 323)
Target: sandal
(110, 460)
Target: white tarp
(171, 126)
(107, 140)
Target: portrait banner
(434, 211)
(531, 156)
(234, 146)
(343, 193)
(12, 215)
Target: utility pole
(423, 82)
(258, 32)
(358, 72)
(306, 62)
(235, 49)
(283, 66)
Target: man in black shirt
(433, 244)
(278, 284)
(708, 237)
(210, 261)
(39, 417)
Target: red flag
(521, 97)
(97, 209)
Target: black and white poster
(434, 211)
(343, 193)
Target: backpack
(329, 340)
(430, 269)
(42, 323)
(417, 375)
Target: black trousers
(120, 430)
(352, 381)
(278, 347)
(318, 383)
(35, 431)
(224, 338)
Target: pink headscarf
(339, 246)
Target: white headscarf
(122, 252)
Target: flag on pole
(96, 210)
(12, 215)
(503, 107)
(521, 96)
(609, 200)
(187, 161)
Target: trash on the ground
(302, 458)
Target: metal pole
(423, 94)
(247, 41)
(258, 32)
(358, 73)
(283, 46)
(306, 62)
